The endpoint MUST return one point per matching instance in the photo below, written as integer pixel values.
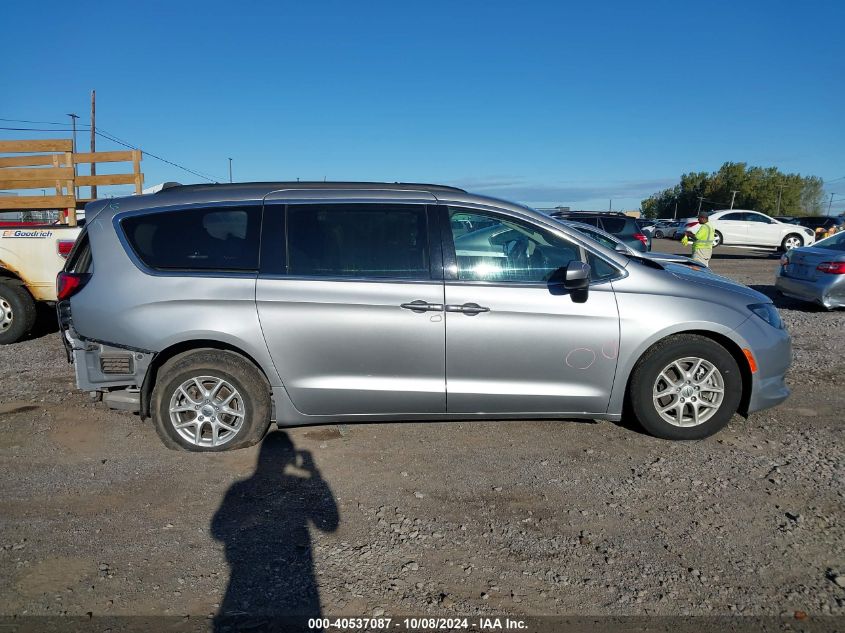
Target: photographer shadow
(263, 523)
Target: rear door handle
(422, 306)
(470, 309)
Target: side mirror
(621, 248)
(573, 279)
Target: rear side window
(591, 221)
(614, 225)
(358, 240)
(197, 239)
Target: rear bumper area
(824, 292)
(101, 366)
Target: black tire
(717, 239)
(17, 312)
(243, 375)
(661, 355)
(658, 234)
(785, 248)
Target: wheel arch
(181, 349)
(729, 344)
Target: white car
(740, 227)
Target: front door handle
(470, 309)
(422, 306)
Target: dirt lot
(510, 517)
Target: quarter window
(358, 240)
(196, 239)
(508, 250)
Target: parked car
(739, 227)
(822, 225)
(213, 309)
(622, 226)
(665, 229)
(815, 273)
(646, 226)
(611, 241)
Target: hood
(706, 277)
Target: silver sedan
(815, 273)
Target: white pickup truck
(31, 255)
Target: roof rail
(315, 184)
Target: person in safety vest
(702, 239)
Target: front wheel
(209, 401)
(717, 239)
(686, 387)
(17, 312)
(658, 234)
(791, 241)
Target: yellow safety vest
(703, 237)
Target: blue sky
(542, 102)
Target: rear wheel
(686, 387)
(717, 239)
(17, 312)
(658, 234)
(793, 240)
(209, 401)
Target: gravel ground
(96, 516)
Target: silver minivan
(216, 309)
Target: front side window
(358, 240)
(196, 239)
(508, 250)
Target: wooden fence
(49, 164)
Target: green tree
(764, 189)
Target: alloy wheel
(792, 242)
(207, 411)
(688, 392)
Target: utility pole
(73, 118)
(780, 191)
(676, 208)
(610, 206)
(230, 170)
(700, 200)
(829, 204)
(733, 197)
(93, 140)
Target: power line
(109, 137)
(35, 122)
(35, 129)
(114, 139)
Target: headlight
(768, 312)
(809, 231)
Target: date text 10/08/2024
(418, 624)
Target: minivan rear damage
(112, 373)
